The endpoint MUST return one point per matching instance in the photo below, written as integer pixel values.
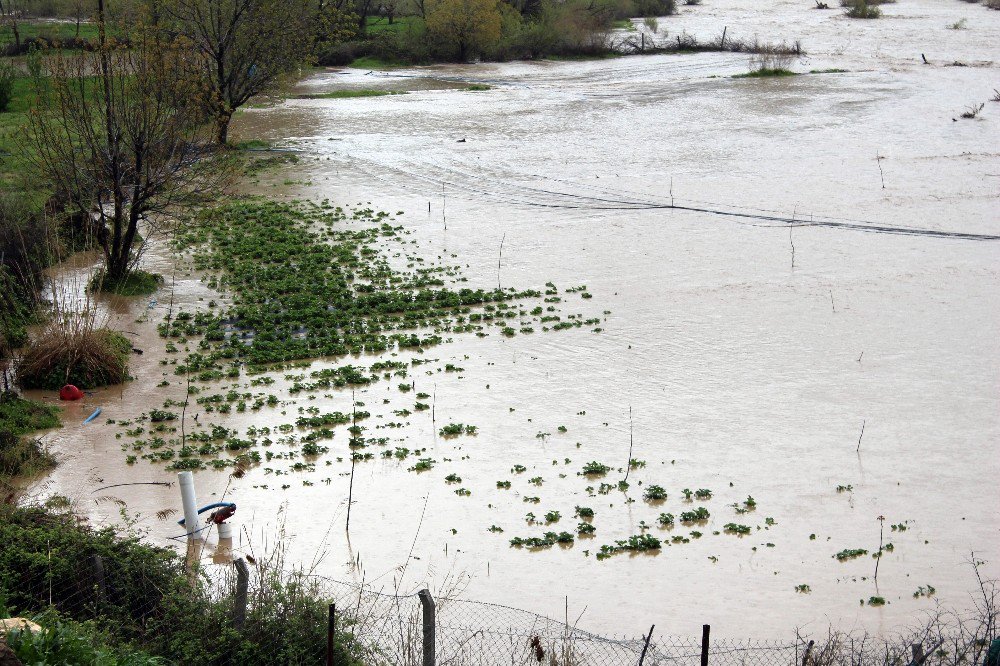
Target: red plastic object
(70, 392)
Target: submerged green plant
(654, 493)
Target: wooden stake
(350, 488)
(862, 429)
(500, 258)
(628, 463)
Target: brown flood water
(745, 373)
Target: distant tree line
(460, 30)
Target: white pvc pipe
(186, 481)
(225, 531)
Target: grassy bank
(21, 455)
(148, 605)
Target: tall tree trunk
(222, 127)
(116, 254)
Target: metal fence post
(427, 602)
(705, 629)
(240, 599)
(331, 627)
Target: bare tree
(10, 14)
(243, 47)
(115, 131)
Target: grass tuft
(85, 357)
(765, 73)
(135, 283)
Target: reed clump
(83, 356)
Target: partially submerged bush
(863, 10)
(134, 283)
(84, 357)
(769, 62)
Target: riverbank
(751, 347)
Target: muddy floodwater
(819, 308)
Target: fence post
(97, 571)
(809, 649)
(240, 600)
(427, 602)
(645, 645)
(705, 629)
(331, 627)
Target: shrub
(62, 642)
(24, 252)
(151, 603)
(82, 356)
(134, 283)
(863, 10)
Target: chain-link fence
(402, 629)
(296, 618)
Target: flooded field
(797, 297)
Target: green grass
(478, 87)
(351, 94)
(48, 29)
(136, 283)
(20, 455)
(623, 24)
(828, 71)
(765, 73)
(253, 144)
(379, 24)
(12, 122)
(20, 416)
(371, 62)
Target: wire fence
(398, 629)
(297, 618)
